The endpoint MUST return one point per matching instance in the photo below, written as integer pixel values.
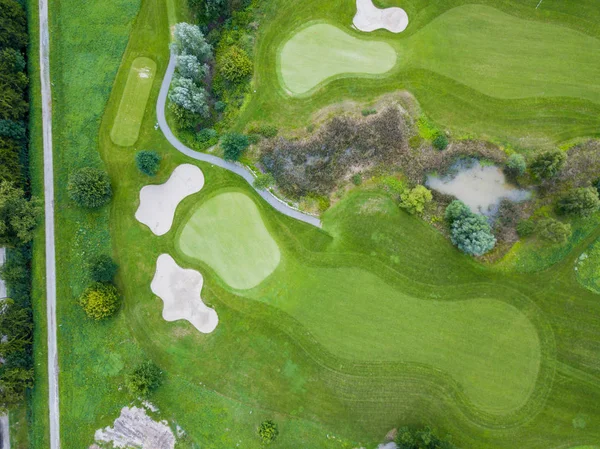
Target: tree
(13, 383)
(102, 268)
(234, 144)
(100, 301)
(583, 201)
(456, 210)
(268, 431)
(189, 40)
(472, 235)
(553, 230)
(148, 162)
(89, 187)
(188, 66)
(515, 165)
(264, 181)
(234, 64)
(440, 141)
(13, 32)
(18, 216)
(415, 200)
(548, 164)
(16, 328)
(146, 378)
(525, 228)
(421, 439)
(187, 94)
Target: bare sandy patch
(159, 202)
(370, 18)
(180, 289)
(135, 429)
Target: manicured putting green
(228, 233)
(506, 57)
(489, 347)
(323, 51)
(126, 128)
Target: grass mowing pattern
(321, 52)
(126, 129)
(228, 233)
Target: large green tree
(18, 215)
(583, 202)
(548, 164)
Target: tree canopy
(90, 187)
(583, 201)
(148, 162)
(18, 215)
(100, 301)
(548, 164)
(190, 96)
(234, 145)
(189, 40)
(415, 200)
(144, 379)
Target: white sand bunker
(370, 18)
(180, 289)
(158, 202)
(135, 429)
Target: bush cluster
(144, 379)
(90, 187)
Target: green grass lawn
(126, 128)
(374, 279)
(321, 51)
(228, 233)
(499, 70)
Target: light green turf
(489, 347)
(322, 51)
(228, 233)
(126, 128)
(506, 57)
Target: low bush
(547, 164)
(148, 162)
(583, 202)
(264, 181)
(415, 200)
(366, 112)
(89, 187)
(234, 145)
(146, 378)
(421, 439)
(356, 179)
(525, 228)
(553, 230)
(456, 210)
(440, 142)
(102, 268)
(515, 165)
(207, 135)
(100, 301)
(264, 130)
(268, 431)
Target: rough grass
(321, 52)
(489, 87)
(227, 233)
(126, 128)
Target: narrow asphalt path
(231, 166)
(49, 226)
(4, 427)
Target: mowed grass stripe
(321, 51)
(227, 233)
(126, 128)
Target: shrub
(415, 200)
(268, 431)
(516, 165)
(525, 228)
(366, 112)
(146, 378)
(185, 119)
(18, 216)
(188, 66)
(421, 439)
(234, 64)
(266, 131)
(440, 142)
(583, 202)
(263, 181)
(100, 301)
(220, 106)
(89, 187)
(553, 230)
(356, 179)
(191, 97)
(234, 145)
(189, 40)
(148, 162)
(102, 268)
(472, 235)
(547, 164)
(206, 135)
(456, 210)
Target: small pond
(481, 187)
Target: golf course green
(321, 52)
(228, 233)
(126, 128)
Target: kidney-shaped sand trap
(159, 202)
(180, 288)
(370, 18)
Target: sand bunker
(158, 202)
(135, 429)
(370, 18)
(180, 288)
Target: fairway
(227, 233)
(126, 127)
(321, 52)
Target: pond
(481, 187)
